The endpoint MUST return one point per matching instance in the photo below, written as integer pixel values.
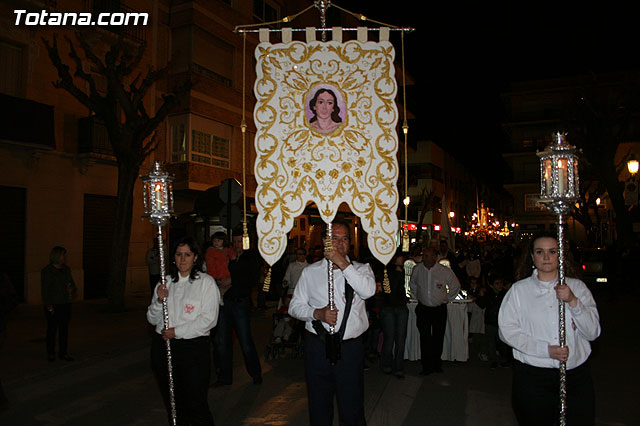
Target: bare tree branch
(66, 81)
(88, 52)
(130, 62)
(93, 92)
(150, 146)
(152, 77)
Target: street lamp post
(158, 207)
(559, 189)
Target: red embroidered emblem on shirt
(188, 308)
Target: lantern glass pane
(548, 177)
(158, 197)
(563, 177)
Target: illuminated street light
(452, 214)
(406, 200)
(632, 166)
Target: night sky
(463, 56)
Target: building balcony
(132, 32)
(17, 122)
(194, 176)
(93, 137)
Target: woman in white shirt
(528, 322)
(193, 301)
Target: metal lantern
(158, 207)
(158, 195)
(559, 182)
(559, 189)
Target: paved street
(110, 383)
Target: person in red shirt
(217, 260)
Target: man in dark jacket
(234, 314)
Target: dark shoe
(426, 372)
(386, 370)
(437, 370)
(399, 375)
(51, 358)
(493, 365)
(66, 358)
(220, 383)
(257, 380)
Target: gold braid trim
(267, 282)
(385, 282)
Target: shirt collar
(546, 285)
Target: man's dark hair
(237, 232)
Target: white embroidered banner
(326, 133)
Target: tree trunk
(116, 282)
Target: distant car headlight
(601, 280)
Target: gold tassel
(405, 241)
(246, 244)
(267, 282)
(385, 282)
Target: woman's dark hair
(525, 265)
(197, 264)
(335, 115)
(56, 253)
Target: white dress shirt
(312, 293)
(433, 286)
(528, 321)
(193, 306)
(294, 270)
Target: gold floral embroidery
(293, 159)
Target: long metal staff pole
(165, 318)
(332, 305)
(561, 323)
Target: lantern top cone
(559, 181)
(158, 195)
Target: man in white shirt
(294, 270)
(310, 302)
(433, 285)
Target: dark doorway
(12, 235)
(99, 222)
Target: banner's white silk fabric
(326, 133)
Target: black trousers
(58, 323)
(191, 372)
(345, 380)
(431, 323)
(535, 395)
